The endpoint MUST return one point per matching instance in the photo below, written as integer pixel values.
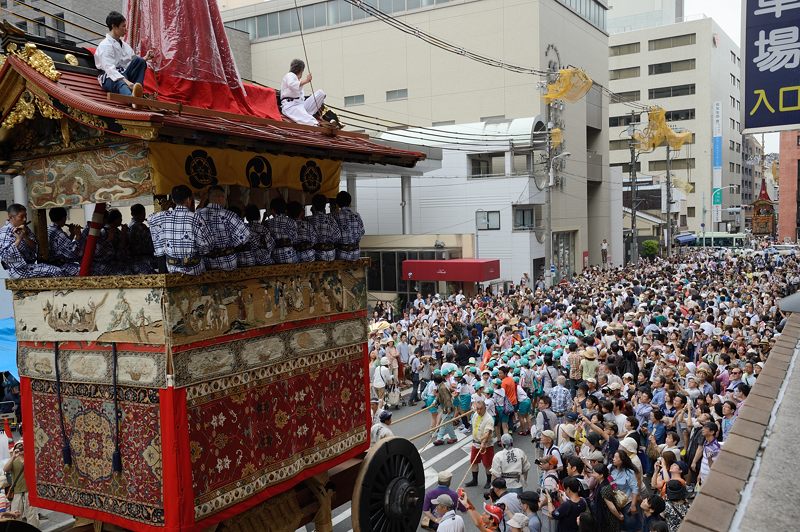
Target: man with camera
(18, 493)
(511, 464)
(500, 496)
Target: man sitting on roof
(123, 71)
(294, 104)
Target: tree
(649, 248)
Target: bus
(720, 239)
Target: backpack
(505, 407)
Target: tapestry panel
(261, 428)
(92, 363)
(218, 359)
(109, 173)
(136, 493)
(208, 310)
(103, 315)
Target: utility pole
(669, 207)
(634, 200)
(548, 229)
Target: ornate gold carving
(23, 110)
(26, 107)
(2, 59)
(142, 130)
(38, 60)
(71, 59)
(86, 118)
(175, 280)
(65, 136)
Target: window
(58, 24)
(443, 123)
(681, 114)
(690, 212)
(731, 167)
(731, 145)
(357, 99)
(494, 119)
(624, 49)
(629, 96)
(622, 144)
(733, 102)
(732, 123)
(733, 57)
(487, 220)
(528, 217)
(733, 80)
(487, 164)
(673, 66)
(624, 120)
(669, 92)
(624, 73)
(22, 25)
(397, 94)
(738, 147)
(675, 164)
(798, 140)
(738, 168)
(672, 42)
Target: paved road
(453, 458)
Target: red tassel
(7, 429)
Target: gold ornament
(38, 60)
(71, 59)
(86, 118)
(23, 110)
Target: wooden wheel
(389, 489)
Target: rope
(414, 414)
(472, 463)
(66, 452)
(305, 54)
(437, 427)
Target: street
(453, 458)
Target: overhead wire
(75, 13)
(34, 21)
(55, 17)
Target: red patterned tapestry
(254, 430)
(136, 494)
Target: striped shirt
(352, 229)
(185, 236)
(284, 231)
(228, 231)
(327, 233)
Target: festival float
(235, 400)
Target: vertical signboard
(771, 54)
(716, 170)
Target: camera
(490, 496)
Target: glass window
(412, 4)
(261, 26)
(487, 220)
(389, 271)
(358, 99)
(358, 13)
(397, 94)
(399, 5)
(274, 25)
(385, 6)
(672, 42)
(59, 25)
(333, 12)
(624, 49)
(374, 271)
(320, 15)
(402, 284)
(624, 73)
(486, 164)
(628, 96)
(346, 11)
(308, 17)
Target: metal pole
(548, 230)
(634, 229)
(669, 207)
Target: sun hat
(443, 500)
(549, 434)
(629, 444)
(518, 520)
(676, 490)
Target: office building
(689, 69)
(631, 15)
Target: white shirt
(112, 57)
(382, 377)
(450, 522)
(378, 432)
(290, 86)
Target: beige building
(368, 67)
(686, 68)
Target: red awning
(467, 270)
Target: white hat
(629, 444)
(384, 361)
(518, 521)
(549, 434)
(445, 477)
(569, 430)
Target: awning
(685, 239)
(466, 270)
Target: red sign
(465, 270)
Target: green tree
(649, 248)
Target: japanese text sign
(771, 47)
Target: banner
(771, 55)
(200, 167)
(716, 175)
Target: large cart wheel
(389, 489)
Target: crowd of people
(180, 239)
(628, 381)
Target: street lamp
(548, 243)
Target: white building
(368, 67)
(631, 15)
(685, 68)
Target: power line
(42, 11)
(78, 39)
(75, 13)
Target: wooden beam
(181, 109)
